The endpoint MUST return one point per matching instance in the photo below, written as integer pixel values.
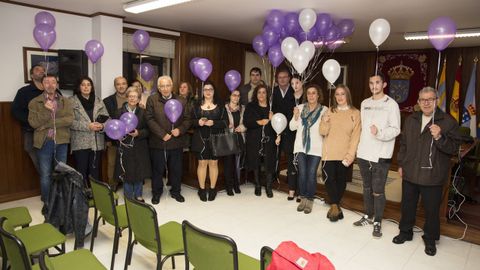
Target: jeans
(307, 174)
(46, 164)
(335, 175)
(431, 199)
(133, 190)
(174, 159)
(374, 175)
(28, 147)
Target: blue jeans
(133, 190)
(46, 164)
(307, 174)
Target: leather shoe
(401, 238)
(430, 248)
(178, 197)
(155, 199)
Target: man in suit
(283, 101)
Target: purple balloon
(146, 71)
(323, 23)
(192, 64)
(332, 35)
(115, 129)
(441, 32)
(94, 50)
(291, 24)
(45, 36)
(232, 79)
(141, 40)
(346, 27)
(44, 17)
(276, 20)
(275, 55)
(130, 120)
(259, 45)
(270, 36)
(311, 35)
(173, 110)
(203, 69)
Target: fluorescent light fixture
(140, 6)
(321, 43)
(461, 33)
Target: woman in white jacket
(308, 144)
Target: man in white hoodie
(380, 125)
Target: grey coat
(81, 136)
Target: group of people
(337, 135)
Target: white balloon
(379, 31)
(289, 46)
(307, 19)
(300, 60)
(307, 46)
(331, 70)
(279, 122)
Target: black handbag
(225, 144)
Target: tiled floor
(254, 222)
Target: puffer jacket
(414, 154)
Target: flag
(469, 118)
(454, 111)
(442, 94)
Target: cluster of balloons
(118, 128)
(201, 68)
(318, 29)
(44, 31)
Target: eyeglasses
(235, 95)
(426, 100)
(208, 89)
(163, 86)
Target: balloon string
(201, 91)
(140, 67)
(437, 81)
(46, 63)
(330, 95)
(376, 63)
(273, 82)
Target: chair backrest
(142, 220)
(206, 250)
(15, 249)
(104, 201)
(265, 257)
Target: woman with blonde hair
(341, 128)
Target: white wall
(16, 28)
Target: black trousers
(335, 175)
(172, 158)
(231, 171)
(87, 162)
(431, 200)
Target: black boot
(258, 188)
(212, 193)
(202, 193)
(268, 186)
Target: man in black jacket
(246, 90)
(283, 101)
(20, 108)
(113, 103)
(429, 139)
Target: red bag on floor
(288, 256)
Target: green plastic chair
(18, 217)
(19, 259)
(210, 251)
(114, 215)
(143, 222)
(265, 257)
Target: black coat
(252, 114)
(415, 149)
(285, 105)
(135, 159)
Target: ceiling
(242, 20)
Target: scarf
(308, 119)
(87, 103)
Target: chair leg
(131, 252)
(4, 255)
(159, 262)
(115, 247)
(173, 262)
(128, 247)
(94, 233)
